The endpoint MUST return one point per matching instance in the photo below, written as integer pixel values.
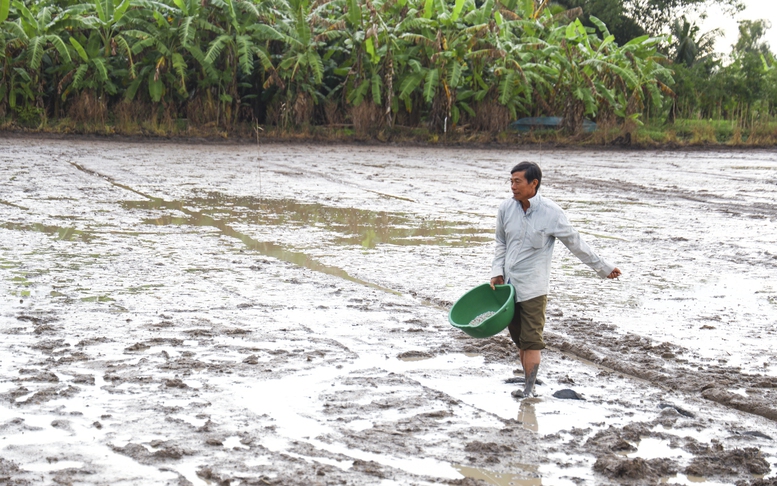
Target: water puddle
(62, 233)
(682, 479)
(527, 478)
(266, 248)
(367, 228)
(354, 226)
(651, 448)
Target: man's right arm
(570, 237)
(500, 250)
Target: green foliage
(743, 91)
(750, 34)
(688, 46)
(5, 7)
(442, 63)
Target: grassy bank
(682, 133)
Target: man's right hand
(500, 280)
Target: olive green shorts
(528, 323)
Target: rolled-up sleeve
(568, 235)
(500, 247)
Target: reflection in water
(503, 479)
(61, 233)
(527, 416)
(273, 250)
(356, 226)
(369, 227)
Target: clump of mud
(709, 460)
(758, 482)
(498, 348)
(165, 450)
(489, 452)
(624, 468)
(415, 355)
(369, 467)
(617, 439)
(9, 473)
(467, 482)
(735, 462)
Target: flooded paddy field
(180, 314)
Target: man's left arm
(567, 234)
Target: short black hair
(530, 171)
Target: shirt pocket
(537, 238)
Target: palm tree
(688, 47)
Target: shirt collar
(533, 202)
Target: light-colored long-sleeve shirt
(524, 246)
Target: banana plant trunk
(572, 122)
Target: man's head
(523, 178)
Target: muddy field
(181, 314)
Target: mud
(277, 314)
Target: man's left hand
(615, 273)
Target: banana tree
(372, 43)
(232, 56)
(650, 76)
(166, 41)
(300, 68)
(446, 40)
(522, 63)
(5, 6)
(91, 69)
(107, 19)
(583, 60)
(35, 43)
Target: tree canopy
(442, 64)
(627, 19)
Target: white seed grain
(479, 319)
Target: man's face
(522, 189)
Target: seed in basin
(482, 317)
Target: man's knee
(533, 346)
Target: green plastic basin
(480, 300)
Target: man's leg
(531, 365)
(526, 331)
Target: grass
(682, 133)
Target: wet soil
(217, 314)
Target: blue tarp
(546, 123)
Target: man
(527, 227)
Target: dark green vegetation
(401, 69)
